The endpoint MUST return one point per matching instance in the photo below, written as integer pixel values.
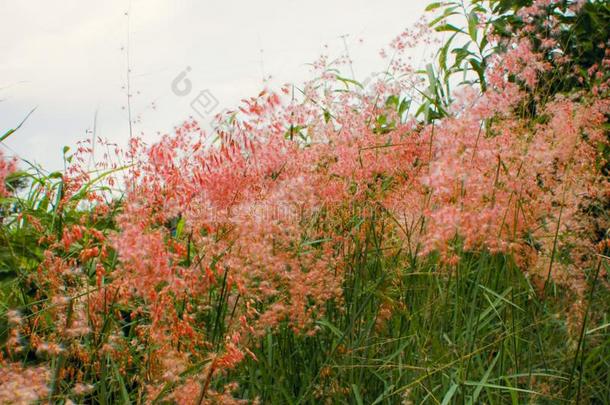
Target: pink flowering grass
(328, 246)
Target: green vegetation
(469, 324)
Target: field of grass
(437, 237)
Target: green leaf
(473, 22)
(331, 327)
(448, 27)
(123, 388)
(357, 394)
(477, 67)
(483, 381)
(404, 106)
(11, 131)
(461, 54)
(499, 387)
(449, 394)
(484, 42)
(442, 57)
(392, 100)
(347, 81)
(447, 13)
(180, 227)
(433, 6)
(326, 116)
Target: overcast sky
(68, 59)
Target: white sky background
(66, 58)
